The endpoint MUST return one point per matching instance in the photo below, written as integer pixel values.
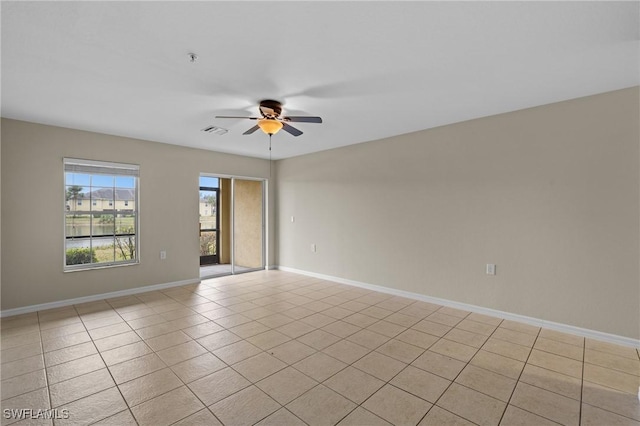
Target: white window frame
(106, 168)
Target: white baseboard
(565, 328)
(95, 297)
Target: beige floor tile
(444, 319)
(403, 319)
(259, 366)
(455, 350)
(354, 384)
(318, 339)
(249, 329)
(346, 351)
(557, 363)
(227, 380)
(282, 417)
(34, 400)
(20, 352)
(466, 337)
(432, 328)
(125, 353)
(156, 330)
(246, 407)
(24, 383)
(337, 312)
(79, 387)
(167, 340)
(298, 312)
(438, 416)
(550, 380)
(417, 338)
(593, 416)
(202, 330)
(168, 408)
(110, 330)
(182, 352)
(150, 386)
(216, 314)
(454, 312)
(7, 342)
(360, 320)
(69, 354)
(123, 418)
(504, 348)
(53, 333)
(476, 327)
(498, 364)
(610, 348)
(268, 339)
(380, 366)
(236, 352)
(291, 352)
(137, 367)
(514, 416)
(400, 350)
(318, 320)
(611, 378)
(376, 312)
(93, 408)
(488, 382)
(513, 336)
(625, 404)
(546, 404)
(368, 339)
(520, 327)
(319, 366)
(386, 328)
(275, 320)
(295, 329)
(614, 362)
(286, 385)
(440, 365)
(354, 306)
(103, 321)
(218, 340)
(472, 405)
(421, 383)
(195, 368)
(147, 321)
(116, 341)
(321, 406)
(71, 369)
(562, 337)
(22, 366)
(559, 348)
(397, 406)
(361, 417)
(202, 417)
(129, 315)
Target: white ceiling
(369, 69)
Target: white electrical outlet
(313, 248)
(491, 269)
(293, 219)
(163, 255)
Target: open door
(248, 225)
(209, 220)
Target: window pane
(79, 179)
(209, 182)
(125, 248)
(102, 180)
(104, 249)
(78, 252)
(125, 224)
(125, 182)
(208, 243)
(77, 225)
(103, 224)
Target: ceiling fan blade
(233, 116)
(291, 129)
(303, 119)
(251, 130)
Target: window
(97, 236)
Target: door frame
(265, 218)
(212, 259)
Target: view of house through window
(101, 213)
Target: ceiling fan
(271, 122)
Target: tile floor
(275, 348)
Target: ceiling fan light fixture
(270, 126)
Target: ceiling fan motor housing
(270, 108)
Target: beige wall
(32, 240)
(549, 194)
